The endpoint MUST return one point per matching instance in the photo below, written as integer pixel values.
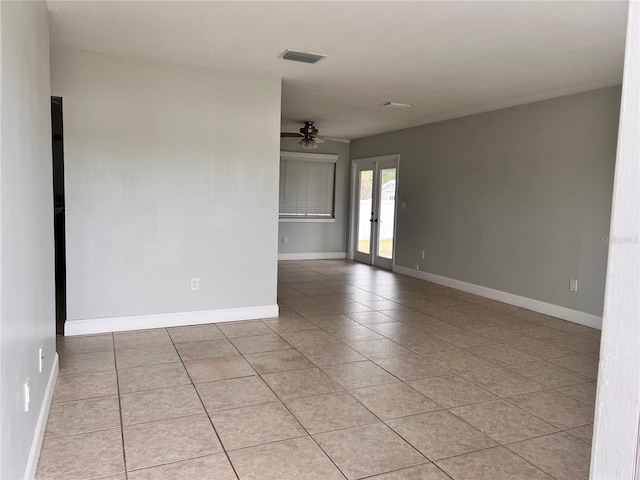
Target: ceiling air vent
(303, 57)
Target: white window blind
(307, 185)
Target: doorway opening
(57, 146)
(375, 186)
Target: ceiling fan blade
(287, 134)
(318, 139)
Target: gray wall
(516, 200)
(171, 172)
(312, 237)
(27, 291)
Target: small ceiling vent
(303, 57)
(396, 105)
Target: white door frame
(354, 199)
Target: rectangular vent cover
(303, 57)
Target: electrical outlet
(195, 284)
(403, 205)
(27, 395)
(573, 285)
(40, 359)
(417, 267)
(422, 254)
(285, 240)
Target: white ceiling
(448, 58)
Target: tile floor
(366, 374)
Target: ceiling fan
(309, 134)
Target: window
(307, 186)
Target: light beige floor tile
(207, 349)
(88, 455)
(234, 393)
(212, 466)
(310, 338)
(167, 441)
(368, 450)
(538, 331)
(541, 349)
(560, 455)
(142, 338)
(425, 344)
(301, 383)
(295, 459)
(244, 329)
(586, 365)
(255, 425)
(584, 433)
(469, 322)
(585, 392)
(84, 344)
(288, 325)
(323, 413)
(85, 385)
(152, 376)
(83, 416)
(278, 361)
(284, 312)
(194, 333)
(379, 349)
(501, 382)
(502, 421)
(576, 343)
(440, 434)
(566, 327)
(260, 343)
(139, 357)
(422, 472)
(499, 334)
(458, 361)
(451, 391)
(358, 333)
(394, 400)
(464, 339)
(502, 355)
(331, 354)
(369, 318)
(412, 367)
(492, 464)
(359, 374)
(548, 374)
(555, 408)
(219, 368)
(161, 404)
(74, 364)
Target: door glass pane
(387, 212)
(364, 211)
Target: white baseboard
(312, 256)
(557, 311)
(141, 322)
(36, 444)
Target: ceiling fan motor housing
(309, 129)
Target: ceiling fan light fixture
(396, 105)
(308, 143)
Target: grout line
(124, 451)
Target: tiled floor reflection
(365, 374)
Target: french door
(374, 215)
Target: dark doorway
(58, 196)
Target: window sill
(306, 220)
